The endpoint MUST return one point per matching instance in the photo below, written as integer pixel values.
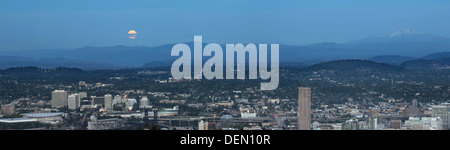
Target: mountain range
(355, 65)
(393, 48)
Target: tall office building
(129, 102)
(414, 103)
(373, 122)
(108, 101)
(304, 108)
(442, 111)
(100, 101)
(144, 102)
(59, 98)
(117, 99)
(203, 125)
(73, 101)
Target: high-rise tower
(304, 108)
(59, 98)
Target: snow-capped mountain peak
(398, 33)
(403, 32)
(403, 36)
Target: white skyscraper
(442, 111)
(108, 101)
(130, 102)
(202, 125)
(59, 98)
(73, 101)
(144, 102)
(117, 99)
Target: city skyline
(127, 65)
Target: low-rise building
(102, 124)
(8, 109)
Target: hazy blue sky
(33, 24)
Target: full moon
(132, 34)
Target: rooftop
(41, 115)
(17, 120)
(226, 117)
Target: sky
(55, 24)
